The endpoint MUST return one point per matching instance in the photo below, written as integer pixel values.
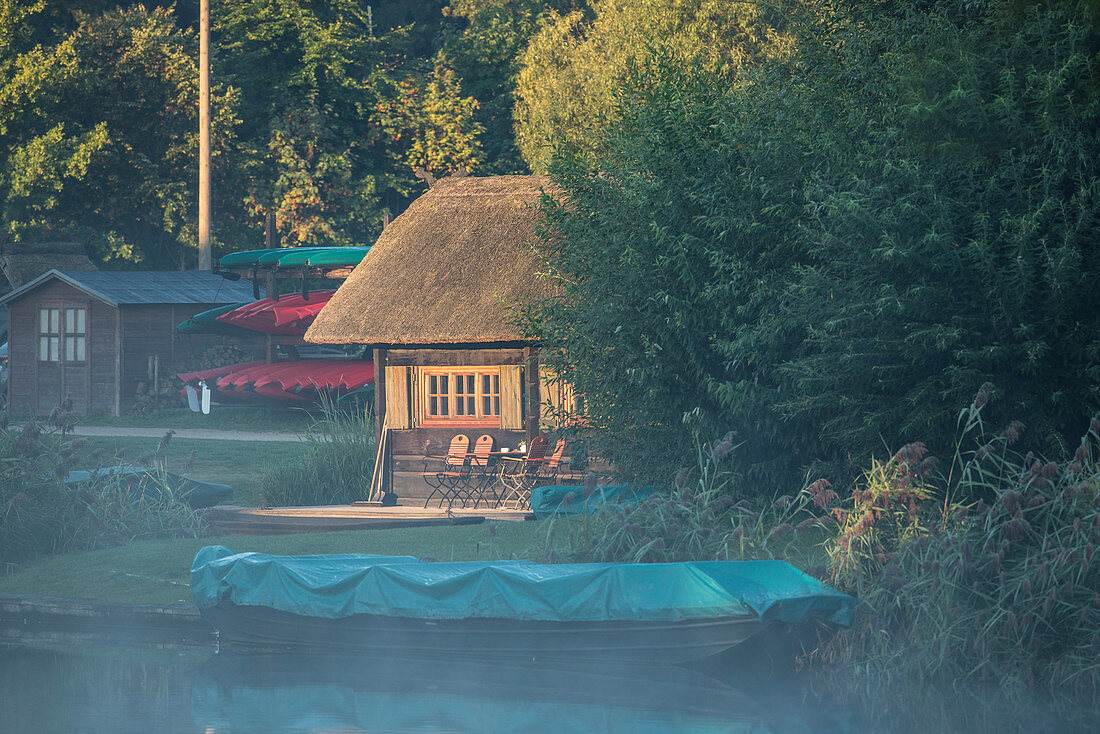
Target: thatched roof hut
(443, 272)
(22, 262)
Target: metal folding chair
(454, 472)
(480, 476)
(524, 474)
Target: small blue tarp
(561, 501)
(335, 586)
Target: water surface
(63, 687)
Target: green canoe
(207, 322)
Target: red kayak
(290, 315)
(194, 378)
(297, 381)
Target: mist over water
(169, 689)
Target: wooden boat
(396, 605)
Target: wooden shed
(431, 298)
(88, 336)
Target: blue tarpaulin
(334, 586)
(560, 501)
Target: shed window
(468, 395)
(75, 334)
(62, 333)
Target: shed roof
(444, 271)
(22, 262)
(145, 286)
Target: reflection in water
(191, 690)
(261, 693)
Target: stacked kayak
(287, 258)
(298, 381)
(291, 315)
(207, 322)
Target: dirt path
(204, 433)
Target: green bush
(40, 514)
(336, 468)
(696, 519)
(828, 255)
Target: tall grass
(336, 467)
(40, 514)
(984, 572)
(1004, 588)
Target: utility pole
(205, 258)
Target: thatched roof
(22, 262)
(443, 271)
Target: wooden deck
(230, 520)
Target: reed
(336, 467)
(1001, 589)
(40, 514)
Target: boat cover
(194, 492)
(564, 500)
(335, 586)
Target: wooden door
(62, 355)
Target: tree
(339, 108)
(430, 125)
(98, 137)
(486, 50)
(571, 72)
(835, 255)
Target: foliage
(340, 105)
(336, 468)
(433, 123)
(40, 514)
(696, 519)
(98, 134)
(572, 70)
(1003, 589)
(486, 51)
(827, 256)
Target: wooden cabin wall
(36, 388)
(435, 439)
(150, 330)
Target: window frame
(58, 335)
(453, 375)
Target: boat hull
(667, 641)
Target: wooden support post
(534, 400)
(383, 477)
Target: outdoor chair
(524, 474)
(552, 465)
(480, 476)
(454, 472)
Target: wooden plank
(531, 361)
(511, 397)
(455, 357)
(397, 398)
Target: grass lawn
(222, 417)
(157, 571)
(239, 464)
